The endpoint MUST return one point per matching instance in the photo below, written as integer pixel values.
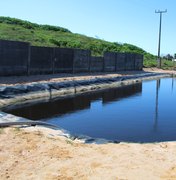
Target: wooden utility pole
(159, 43)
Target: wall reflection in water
(77, 103)
(135, 113)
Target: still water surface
(143, 112)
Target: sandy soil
(7, 81)
(36, 154)
(56, 77)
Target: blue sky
(124, 21)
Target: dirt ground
(8, 81)
(37, 153)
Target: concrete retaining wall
(138, 61)
(13, 58)
(19, 58)
(96, 64)
(63, 60)
(130, 61)
(120, 61)
(81, 62)
(41, 61)
(109, 61)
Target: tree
(168, 57)
(175, 56)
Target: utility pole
(159, 43)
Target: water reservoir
(142, 112)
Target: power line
(159, 43)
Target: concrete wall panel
(81, 60)
(96, 64)
(13, 58)
(120, 61)
(138, 61)
(130, 61)
(41, 60)
(109, 61)
(19, 58)
(63, 61)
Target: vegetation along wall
(19, 58)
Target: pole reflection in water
(143, 112)
(173, 82)
(156, 104)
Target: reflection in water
(122, 92)
(156, 104)
(173, 83)
(136, 113)
(77, 103)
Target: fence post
(89, 64)
(29, 60)
(134, 61)
(73, 64)
(53, 61)
(103, 62)
(125, 62)
(115, 62)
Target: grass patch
(69, 141)
(1, 130)
(168, 64)
(150, 63)
(54, 36)
(17, 129)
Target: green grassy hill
(53, 36)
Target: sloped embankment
(35, 92)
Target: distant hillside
(46, 35)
